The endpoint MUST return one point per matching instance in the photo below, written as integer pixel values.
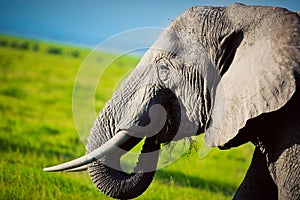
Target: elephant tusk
(78, 169)
(107, 147)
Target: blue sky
(92, 21)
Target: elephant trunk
(118, 184)
(106, 172)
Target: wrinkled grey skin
(232, 73)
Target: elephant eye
(163, 71)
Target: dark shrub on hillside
(75, 54)
(54, 50)
(20, 45)
(3, 43)
(14, 44)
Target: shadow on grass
(184, 180)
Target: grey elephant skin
(232, 73)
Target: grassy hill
(37, 130)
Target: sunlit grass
(37, 130)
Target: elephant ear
(261, 78)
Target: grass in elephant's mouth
(37, 130)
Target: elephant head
(212, 70)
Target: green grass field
(37, 130)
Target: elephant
(232, 73)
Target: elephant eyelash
(166, 56)
(167, 62)
(172, 55)
(158, 59)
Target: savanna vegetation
(37, 130)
